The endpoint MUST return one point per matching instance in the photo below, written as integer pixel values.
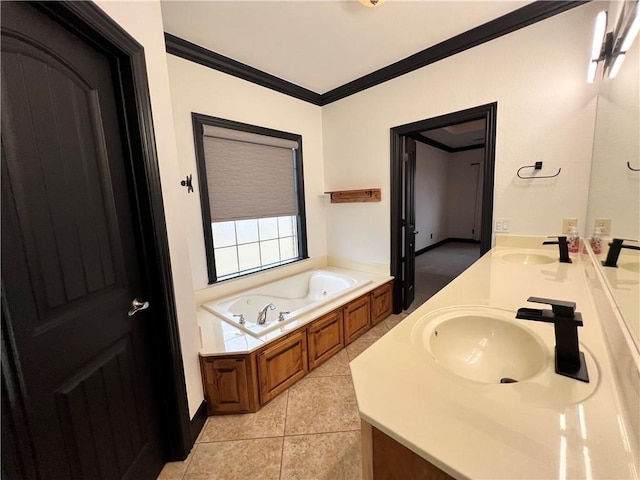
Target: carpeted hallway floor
(437, 267)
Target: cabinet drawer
(381, 306)
(357, 318)
(228, 385)
(325, 337)
(282, 364)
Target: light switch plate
(501, 225)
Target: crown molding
(418, 137)
(190, 51)
(520, 18)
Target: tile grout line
(243, 439)
(310, 434)
(192, 454)
(284, 434)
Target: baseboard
(431, 247)
(198, 421)
(463, 240)
(446, 240)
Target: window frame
(199, 120)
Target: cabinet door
(381, 306)
(325, 338)
(282, 364)
(357, 319)
(228, 385)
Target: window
(252, 196)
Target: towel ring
(631, 168)
(537, 166)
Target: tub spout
(262, 314)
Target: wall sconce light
(599, 46)
(610, 48)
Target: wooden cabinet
(229, 384)
(243, 383)
(325, 338)
(381, 305)
(282, 364)
(357, 318)
(385, 458)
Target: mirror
(614, 191)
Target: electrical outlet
(604, 224)
(567, 223)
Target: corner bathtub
(297, 295)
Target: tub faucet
(614, 251)
(563, 246)
(262, 314)
(570, 360)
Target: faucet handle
(241, 321)
(561, 239)
(561, 308)
(620, 242)
(281, 316)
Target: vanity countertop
(219, 337)
(548, 426)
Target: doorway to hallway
(442, 172)
(437, 267)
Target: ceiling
(321, 45)
(461, 135)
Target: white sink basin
(630, 265)
(482, 345)
(527, 258)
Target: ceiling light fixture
(371, 3)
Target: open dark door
(72, 262)
(409, 263)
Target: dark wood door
(70, 258)
(409, 270)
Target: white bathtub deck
(218, 337)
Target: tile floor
(311, 431)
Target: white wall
(430, 197)
(545, 112)
(463, 195)
(143, 21)
(199, 89)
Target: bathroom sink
(527, 258)
(631, 266)
(482, 345)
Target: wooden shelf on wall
(353, 196)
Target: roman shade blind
(249, 175)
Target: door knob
(137, 305)
(415, 232)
